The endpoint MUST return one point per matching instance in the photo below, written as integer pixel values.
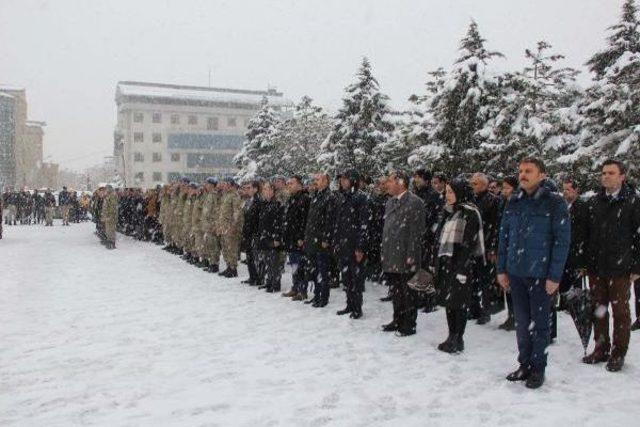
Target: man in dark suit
(402, 250)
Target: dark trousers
(299, 272)
(269, 268)
(457, 321)
(532, 308)
(636, 294)
(615, 291)
(405, 311)
(481, 299)
(320, 275)
(252, 264)
(353, 276)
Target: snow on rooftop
(196, 93)
(11, 88)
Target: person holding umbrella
(535, 234)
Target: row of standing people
(458, 230)
(30, 207)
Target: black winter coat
(295, 220)
(319, 222)
(377, 204)
(63, 198)
(350, 224)
(578, 214)
(612, 234)
(489, 207)
(433, 204)
(251, 223)
(451, 292)
(270, 225)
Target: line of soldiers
(37, 207)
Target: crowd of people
(482, 241)
(32, 207)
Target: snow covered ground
(137, 337)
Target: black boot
(535, 380)
(460, 326)
(344, 311)
(448, 345)
(213, 268)
(520, 374)
(509, 324)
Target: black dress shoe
(597, 356)
(521, 374)
(446, 345)
(319, 304)
(310, 301)
(213, 268)
(615, 363)
(343, 312)
(355, 314)
(484, 319)
(535, 380)
(390, 327)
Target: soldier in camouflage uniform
(175, 224)
(165, 208)
(185, 222)
(196, 228)
(208, 223)
(230, 226)
(109, 217)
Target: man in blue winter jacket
(535, 235)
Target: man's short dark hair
(255, 184)
(535, 161)
(621, 166)
(297, 178)
(424, 174)
(574, 183)
(441, 176)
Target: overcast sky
(69, 54)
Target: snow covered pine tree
(362, 124)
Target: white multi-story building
(167, 131)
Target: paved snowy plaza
(137, 337)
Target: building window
(138, 137)
(157, 157)
(193, 120)
(138, 157)
(139, 177)
(212, 123)
(157, 118)
(175, 119)
(138, 117)
(157, 176)
(231, 122)
(175, 157)
(156, 137)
